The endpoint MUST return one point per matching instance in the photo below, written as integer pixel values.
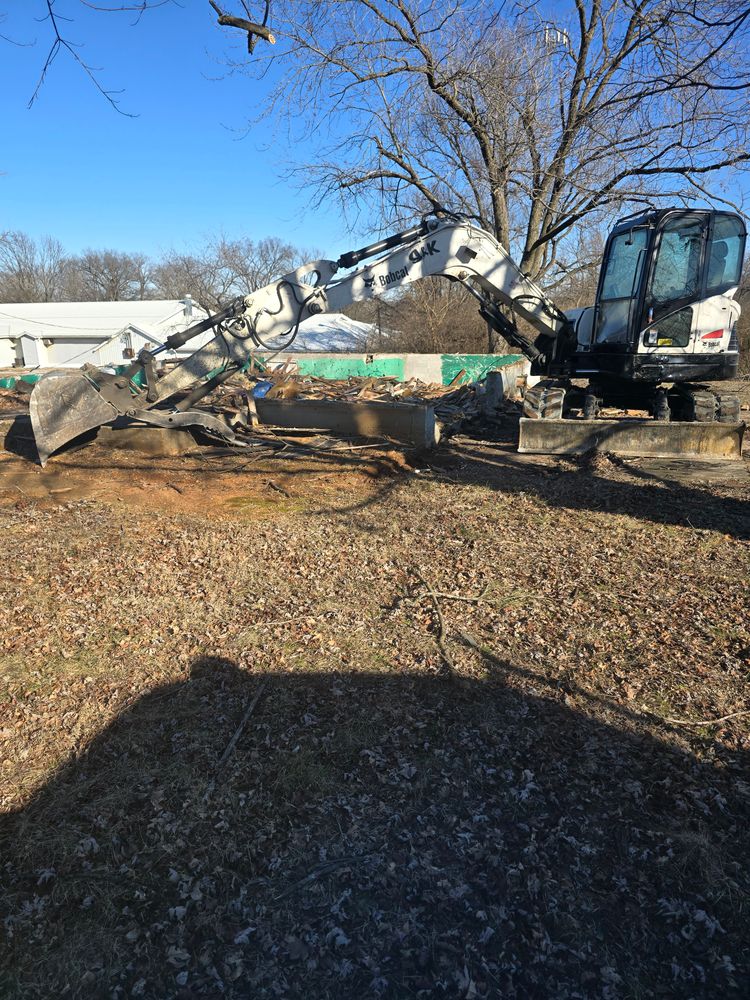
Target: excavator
(662, 331)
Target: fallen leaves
(377, 829)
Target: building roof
(154, 318)
(333, 332)
(84, 319)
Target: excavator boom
(65, 405)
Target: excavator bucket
(631, 438)
(63, 406)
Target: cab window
(725, 254)
(624, 265)
(676, 270)
(671, 331)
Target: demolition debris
(412, 412)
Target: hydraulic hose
(179, 339)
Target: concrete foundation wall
(437, 368)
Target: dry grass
(522, 828)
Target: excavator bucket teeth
(635, 438)
(64, 406)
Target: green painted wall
(10, 382)
(476, 365)
(345, 367)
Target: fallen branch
(481, 648)
(258, 457)
(322, 869)
(497, 661)
(697, 722)
(234, 740)
(463, 597)
(357, 447)
(441, 636)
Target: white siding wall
(87, 332)
(110, 352)
(72, 351)
(7, 352)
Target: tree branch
(60, 43)
(254, 30)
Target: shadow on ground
(659, 492)
(576, 483)
(375, 835)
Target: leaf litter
(233, 762)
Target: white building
(71, 334)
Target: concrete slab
(406, 422)
(625, 437)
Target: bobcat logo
(369, 282)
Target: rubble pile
(456, 405)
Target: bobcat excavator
(663, 323)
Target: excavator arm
(64, 405)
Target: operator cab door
(715, 328)
(619, 290)
(697, 258)
(673, 289)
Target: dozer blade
(634, 438)
(62, 407)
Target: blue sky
(182, 170)
(73, 168)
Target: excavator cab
(664, 309)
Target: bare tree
(40, 271)
(531, 118)
(433, 316)
(58, 22)
(743, 327)
(225, 268)
(30, 270)
(108, 276)
(575, 283)
(429, 317)
(253, 30)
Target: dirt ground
(219, 482)
(366, 723)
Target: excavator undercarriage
(682, 420)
